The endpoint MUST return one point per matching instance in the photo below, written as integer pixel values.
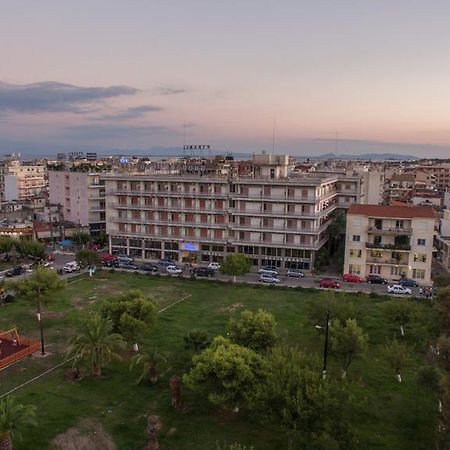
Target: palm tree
(14, 419)
(96, 343)
(150, 365)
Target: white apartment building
(22, 180)
(272, 219)
(81, 196)
(392, 241)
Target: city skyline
(354, 77)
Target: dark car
(111, 263)
(203, 272)
(151, 268)
(329, 283)
(166, 262)
(376, 279)
(15, 271)
(407, 282)
(128, 266)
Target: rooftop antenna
(273, 136)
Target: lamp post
(325, 347)
(41, 328)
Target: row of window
(378, 239)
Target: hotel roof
(408, 212)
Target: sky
(319, 76)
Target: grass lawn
(390, 415)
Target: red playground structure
(14, 347)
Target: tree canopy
(236, 264)
(255, 330)
(87, 257)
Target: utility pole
(325, 348)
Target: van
(269, 273)
(71, 267)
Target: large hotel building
(271, 217)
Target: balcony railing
(390, 262)
(395, 230)
(404, 247)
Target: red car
(107, 257)
(329, 283)
(352, 278)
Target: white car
(269, 279)
(398, 289)
(173, 270)
(214, 266)
(71, 267)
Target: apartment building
(441, 174)
(81, 196)
(23, 180)
(392, 241)
(443, 241)
(272, 219)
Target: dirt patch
(88, 435)
(232, 308)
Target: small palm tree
(96, 343)
(150, 365)
(14, 419)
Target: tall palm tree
(150, 365)
(96, 343)
(14, 419)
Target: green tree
(39, 288)
(255, 330)
(87, 257)
(398, 356)
(347, 341)
(443, 347)
(313, 413)
(399, 311)
(15, 419)
(149, 363)
(442, 305)
(131, 314)
(96, 343)
(81, 238)
(6, 244)
(196, 340)
(27, 247)
(236, 264)
(227, 372)
(339, 308)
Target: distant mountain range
(367, 156)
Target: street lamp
(41, 329)
(325, 347)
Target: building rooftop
(408, 212)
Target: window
(420, 257)
(375, 269)
(395, 270)
(356, 238)
(419, 273)
(399, 224)
(376, 254)
(353, 268)
(377, 240)
(421, 242)
(355, 253)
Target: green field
(389, 415)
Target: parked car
(128, 265)
(71, 267)
(108, 257)
(269, 273)
(376, 279)
(173, 270)
(267, 268)
(149, 268)
(15, 271)
(398, 289)
(269, 279)
(111, 263)
(295, 273)
(124, 258)
(214, 266)
(166, 262)
(203, 272)
(352, 278)
(408, 282)
(329, 283)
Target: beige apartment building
(81, 196)
(270, 217)
(392, 241)
(23, 180)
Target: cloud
(51, 96)
(94, 132)
(171, 90)
(131, 113)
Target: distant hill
(367, 156)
